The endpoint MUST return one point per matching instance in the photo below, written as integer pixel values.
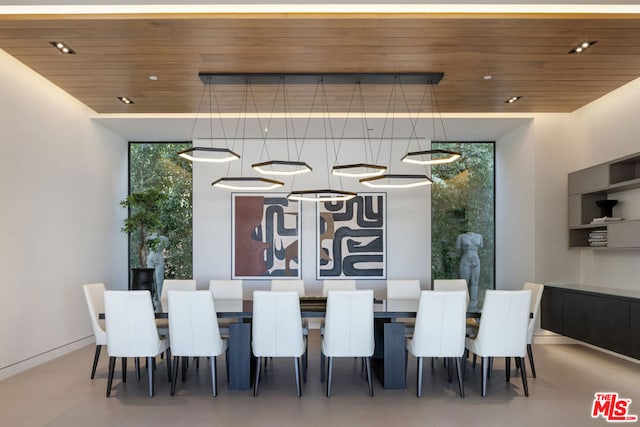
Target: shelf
(588, 226)
(616, 188)
(588, 186)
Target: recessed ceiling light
(154, 78)
(582, 46)
(488, 77)
(63, 48)
(512, 99)
(125, 100)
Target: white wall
(62, 176)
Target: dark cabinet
(634, 331)
(608, 321)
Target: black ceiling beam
(327, 78)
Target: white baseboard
(46, 356)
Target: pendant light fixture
(245, 183)
(281, 167)
(323, 194)
(436, 156)
(396, 180)
(363, 169)
(210, 154)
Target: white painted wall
(62, 176)
(605, 130)
(515, 254)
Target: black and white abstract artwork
(351, 238)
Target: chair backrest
(440, 324)
(131, 325)
(403, 289)
(348, 330)
(451, 285)
(226, 289)
(94, 295)
(193, 324)
(174, 285)
(288, 285)
(337, 285)
(276, 329)
(536, 296)
(504, 324)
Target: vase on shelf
(606, 207)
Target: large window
(156, 167)
(463, 217)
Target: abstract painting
(266, 236)
(351, 238)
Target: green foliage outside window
(462, 200)
(156, 167)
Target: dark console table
(606, 318)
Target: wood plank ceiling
(527, 55)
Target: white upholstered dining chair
(439, 330)
(132, 332)
(174, 285)
(94, 295)
(502, 332)
(193, 331)
(348, 330)
(534, 308)
(226, 289)
(277, 330)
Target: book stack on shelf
(605, 219)
(598, 238)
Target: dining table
(388, 360)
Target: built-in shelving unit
(598, 182)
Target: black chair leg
(367, 362)
(523, 374)
(322, 363)
(185, 365)
(124, 369)
(329, 376)
(419, 379)
(214, 376)
(168, 354)
(296, 361)
(258, 368)
(112, 367)
(530, 354)
(176, 361)
(150, 375)
(449, 370)
(136, 363)
(507, 368)
(305, 361)
(459, 361)
(490, 367)
(96, 356)
(485, 368)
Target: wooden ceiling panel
(525, 54)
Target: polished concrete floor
(60, 393)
